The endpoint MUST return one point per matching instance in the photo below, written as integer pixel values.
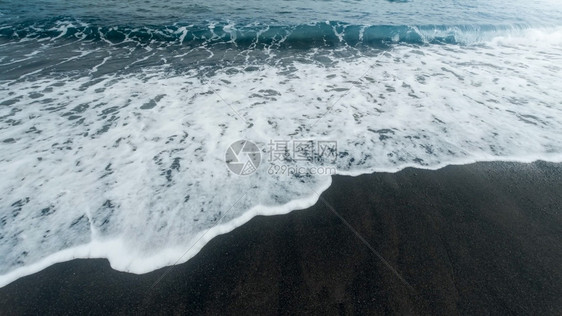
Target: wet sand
(484, 238)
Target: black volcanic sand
(478, 239)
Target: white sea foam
(130, 167)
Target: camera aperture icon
(243, 157)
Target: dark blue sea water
(287, 12)
(115, 116)
(256, 25)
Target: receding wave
(130, 165)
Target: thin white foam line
(85, 251)
(553, 158)
(95, 68)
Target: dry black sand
(478, 239)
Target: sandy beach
(484, 238)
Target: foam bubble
(130, 165)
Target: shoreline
(483, 237)
(96, 249)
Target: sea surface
(115, 117)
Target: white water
(131, 167)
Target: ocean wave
(130, 166)
(324, 34)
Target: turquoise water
(380, 12)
